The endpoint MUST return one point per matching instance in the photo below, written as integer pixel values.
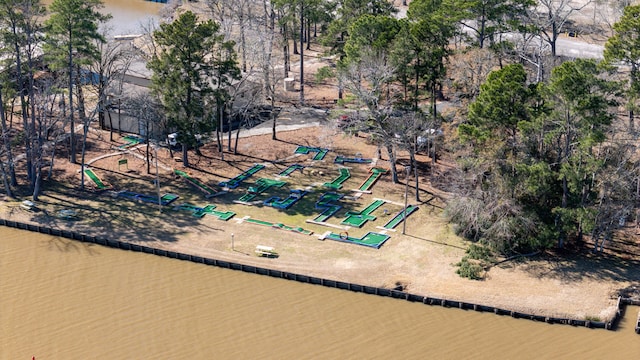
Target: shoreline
(608, 324)
(421, 262)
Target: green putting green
(280, 226)
(195, 182)
(370, 239)
(208, 209)
(96, 180)
(320, 153)
(359, 218)
(375, 174)
(263, 185)
(288, 171)
(294, 197)
(337, 182)
(400, 216)
(130, 141)
(236, 181)
(326, 202)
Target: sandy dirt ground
(422, 261)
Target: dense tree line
(540, 159)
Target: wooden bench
(267, 251)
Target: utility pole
(155, 149)
(406, 197)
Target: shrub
(469, 270)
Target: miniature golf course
(320, 153)
(236, 181)
(288, 171)
(279, 226)
(337, 182)
(165, 199)
(327, 203)
(359, 218)
(96, 180)
(370, 239)
(202, 211)
(278, 203)
(262, 185)
(130, 141)
(357, 160)
(400, 216)
(375, 174)
(197, 183)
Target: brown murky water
(128, 16)
(68, 300)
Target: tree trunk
(23, 106)
(5, 139)
(301, 54)
(235, 145)
(110, 126)
(85, 126)
(185, 157)
(414, 164)
(274, 119)
(229, 126)
(72, 137)
(633, 85)
(243, 43)
(554, 37)
(285, 50)
(481, 32)
(308, 35)
(392, 161)
(220, 124)
(5, 180)
(7, 143)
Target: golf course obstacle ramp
(337, 182)
(164, 200)
(356, 160)
(399, 217)
(209, 191)
(359, 218)
(279, 226)
(288, 171)
(370, 239)
(374, 174)
(278, 203)
(209, 209)
(320, 152)
(236, 181)
(99, 184)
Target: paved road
(575, 48)
(289, 119)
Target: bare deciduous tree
(551, 16)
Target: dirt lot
(422, 260)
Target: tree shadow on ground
(581, 266)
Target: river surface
(61, 299)
(128, 16)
